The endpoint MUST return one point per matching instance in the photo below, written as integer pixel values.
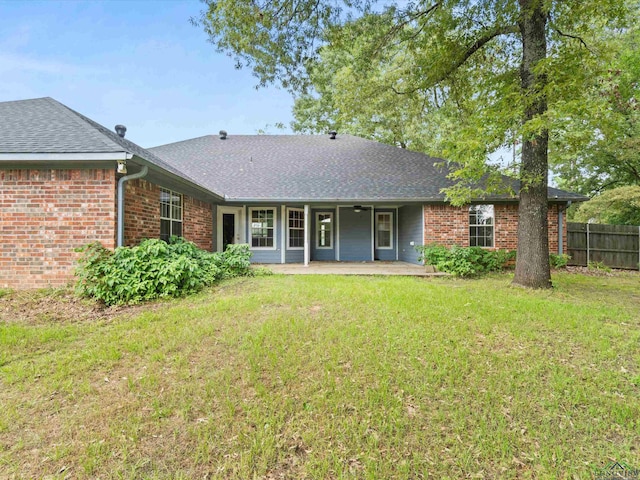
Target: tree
(500, 60)
(367, 104)
(619, 206)
(600, 150)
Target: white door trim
(239, 224)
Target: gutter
(346, 201)
(121, 182)
(561, 227)
(63, 157)
(361, 200)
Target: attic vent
(332, 135)
(223, 134)
(120, 130)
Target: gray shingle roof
(313, 168)
(259, 167)
(44, 125)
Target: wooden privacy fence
(616, 246)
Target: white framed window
(170, 214)
(262, 231)
(481, 225)
(384, 230)
(295, 229)
(324, 230)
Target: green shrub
(464, 261)
(154, 269)
(234, 261)
(598, 266)
(559, 261)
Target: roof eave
(152, 166)
(351, 200)
(345, 200)
(64, 157)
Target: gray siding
(355, 235)
(409, 230)
(322, 254)
(388, 254)
(294, 256)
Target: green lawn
(331, 377)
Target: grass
(332, 377)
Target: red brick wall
(141, 211)
(506, 230)
(44, 215)
(198, 222)
(142, 215)
(447, 225)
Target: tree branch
(477, 45)
(575, 37)
(399, 26)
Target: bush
(558, 261)
(598, 266)
(154, 269)
(234, 261)
(464, 261)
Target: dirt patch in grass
(60, 306)
(601, 272)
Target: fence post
(587, 246)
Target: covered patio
(354, 268)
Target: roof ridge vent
(223, 134)
(120, 130)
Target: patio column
(307, 235)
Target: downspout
(561, 227)
(121, 183)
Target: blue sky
(139, 63)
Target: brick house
(67, 181)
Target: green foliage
(619, 206)
(154, 269)
(598, 266)
(558, 261)
(596, 145)
(4, 292)
(261, 271)
(464, 261)
(234, 261)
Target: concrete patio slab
(354, 268)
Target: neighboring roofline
(64, 157)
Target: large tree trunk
(532, 262)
